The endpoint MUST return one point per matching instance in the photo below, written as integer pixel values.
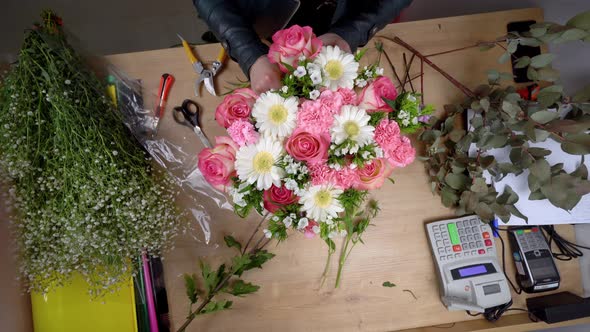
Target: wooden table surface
(396, 250)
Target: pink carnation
(346, 177)
(308, 230)
(403, 154)
(348, 96)
(242, 132)
(314, 118)
(330, 101)
(320, 174)
(397, 149)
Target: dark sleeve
(357, 27)
(234, 30)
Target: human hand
(265, 75)
(334, 40)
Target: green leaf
(539, 152)
(543, 117)
(457, 134)
(532, 74)
(541, 170)
(191, 288)
(541, 135)
(556, 169)
(484, 211)
(542, 60)
(457, 181)
(493, 75)
(538, 32)
(485, 103)
(569, 126)
(258, 259)
(577, 144)
(580, 21)
(479, 186)
(560, 191)
(514, 211)
(512, 46)
(214, 306)
(239, 263)
(582, 95)
(548, 74)
(498, 141)
(571, 35)
(508, 197)
(537, 195)
(486, 46)
(581, 172)
(487, 161)
(500, 211)
(522, 62)
(331, 245)
(548, 98)
(511, 108)
(388, 284)
(530, 42)
(359, 54)
(448, 197)
(209, 277)
(241, 288)
(504, 58)
(231, 242)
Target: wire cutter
(205, 75)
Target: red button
(457, 248)
(481, 251)
(488, 243)
(486, 235)
(535, 229)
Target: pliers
(205, 75)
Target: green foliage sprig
(503, 119)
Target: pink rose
(289, 44)
(403, 154)
(348, 96)
(308, 147)
(242, 132)
(308, 230)
(275, 198)
(330, 101)
(217, 164)
(371, 98)
(235, 106)
(373, 174)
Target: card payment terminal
(467, 265)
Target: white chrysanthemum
(257, 163)
(352, 123)
(338, 67)
(275, 116)
(321, 202)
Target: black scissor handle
(190, 112)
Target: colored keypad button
(486, 235)
(535, 230)
(519, 231)
(453, 234)
(457, 248)
(488, 242)
(527, 230)
(481, 251)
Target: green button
(520, 231)
(453, 233)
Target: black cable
(567, 250)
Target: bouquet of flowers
(306, 156)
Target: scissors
(205, 75)
(190, 118)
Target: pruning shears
(205, 75)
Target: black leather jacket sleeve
(358, 26)
(230, 24)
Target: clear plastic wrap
(181, 165)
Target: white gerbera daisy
(257, 163)
(338, 67)
(352, 123)
(275, 116)
(321, 202)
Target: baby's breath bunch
(83, 194)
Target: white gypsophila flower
(68, 82)
(378, 152)
(360, 82)
(312, 68)
(275, 116)
(303, 222)
(338, 67)
(267, 233)
(275, 218)
(316, 229)
(321, 202)
(300, 72)
(302, 58)
(410, 97)
(352, 124)
(284, 89)
(115, 152)
(415, 120)
(293, 216)
(379, 71)
(368, 73)
(313, 95)
(343, 233)
(405, 122)
(288, 221)
(258, 163)
(316, 78)
(291, 184)
(291, 168)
